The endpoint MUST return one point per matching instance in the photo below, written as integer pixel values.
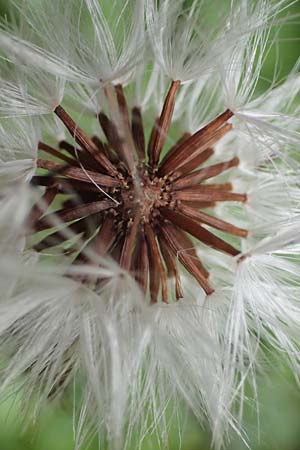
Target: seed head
(149, 208)
(140, 203)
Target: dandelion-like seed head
(142, 206)
(149, 210)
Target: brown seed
(169, 232)
(120, 117)
(78, 154)
(138, 135)
(173, 149)
(122, 102)
(105, 238)
(162, 125)
(84, 141)
(172, 268)
(204, 174)
(157, 270)
(200, 205)
(76, 173)
(196, 230)
(197, 143)
(201, 217)
(129, 244)
(193, 164)
(198, 193)
(188, 249)
(52, 151)
(142, 264)
(77, 212)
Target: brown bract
(130, 203)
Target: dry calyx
(139, 207)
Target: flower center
(144, 197)
(124, 201)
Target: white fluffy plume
(71, 318)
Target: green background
(278, 426)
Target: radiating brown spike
(106, 149)
(170, 234)
(151, 142)
(52, 151)
(172, 268)
(221, 187)
(100, 145)
(64, 145)
(173, 149)
(200, 205)
(196, 230)
(142, 264)
(117, 248)
(65, 185)
(122, 102)
(188, 249)
(84, 141)
(100, 246)
(77, 212)
(120, 116)
(119, 142)
(110, 131)
(106, 237)
(201, 217)
(79, 154)
(43, 180)
(193, 164)
(199, 193)
(129, 243)
(204, 174)
(138, 135)
(157, 270)
(161, 127)
(197, 143)
(192, 152)
(76, 173)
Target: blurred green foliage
(278, 425)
